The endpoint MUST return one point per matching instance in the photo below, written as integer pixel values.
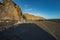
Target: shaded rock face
(9, 10)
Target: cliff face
(9, 10)
(32, 17)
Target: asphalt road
(27, 31)
(52, 27)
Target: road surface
(52, 27)
(26, 31)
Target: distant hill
(32, 17)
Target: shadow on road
(25, 32)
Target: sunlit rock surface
(9, 11)
(32, 17)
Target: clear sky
(46, 8)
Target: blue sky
(49, 9)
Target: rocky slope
(32, 17)
(10, 13)
(9, 10)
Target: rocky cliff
(9, 10)
(10, 13)
(32, 17)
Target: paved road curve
(52, 27)
(25, 32)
